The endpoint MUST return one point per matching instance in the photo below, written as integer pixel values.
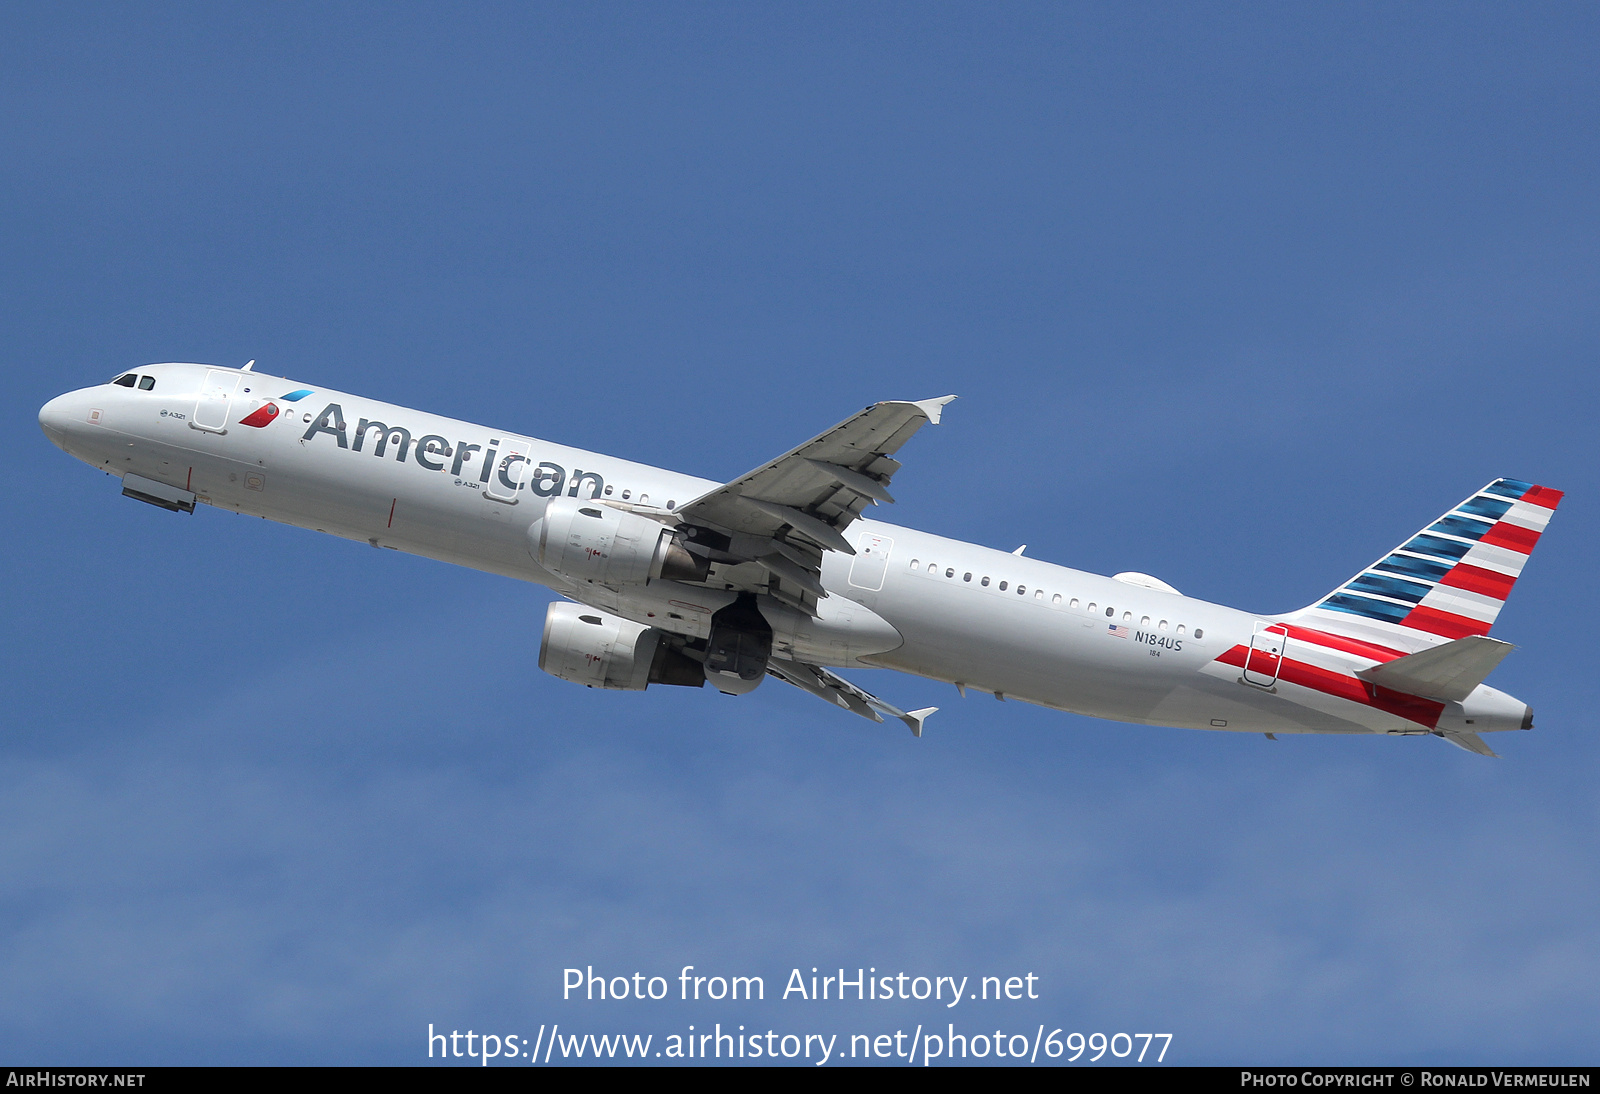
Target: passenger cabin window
(1162, 625)
(1127, 617)
(1145, 622)
(1110, 612)
(1198, 633)
(968, 577)
(984, 582)
(1002, 586)
(951, 572)
(1054, 600)
(147, 383)
(1038, 594)
(915, 563)
(1074, 604)
(1093, 606)
(1180, 628)
(126, 381)
(1022, 590)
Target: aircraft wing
(781, 517)
(841, 692)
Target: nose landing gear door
(1265, 660)
(211, 408)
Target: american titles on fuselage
(435, 453)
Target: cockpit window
(147, 383)
(126, 381)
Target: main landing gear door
(1264, 662)
(211, 409)
(509, 471)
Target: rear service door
(1268, 647)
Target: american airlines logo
(435, 453)
(262, 416)
(266, 415)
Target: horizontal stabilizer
(1471, 742)
(1448, 672)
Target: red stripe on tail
(1543, 495)
(1447, 624)
(1341, 685)
(1338, 642)
(1511, 536)
(1475, 579)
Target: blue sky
(1236, 295)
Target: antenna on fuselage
(250, 366)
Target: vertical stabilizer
(1448, 581)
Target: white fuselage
(922, 604)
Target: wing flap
(837, 690)
(823, 532)
(855, 480)
(780, 566)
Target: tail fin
(1448, 581)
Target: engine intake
(600, 650)
(591, 541)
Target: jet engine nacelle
(591, 541)
(600, 650)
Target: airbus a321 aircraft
(678, 580)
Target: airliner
(669, 579)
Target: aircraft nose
(69, 420)
(53, 419)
